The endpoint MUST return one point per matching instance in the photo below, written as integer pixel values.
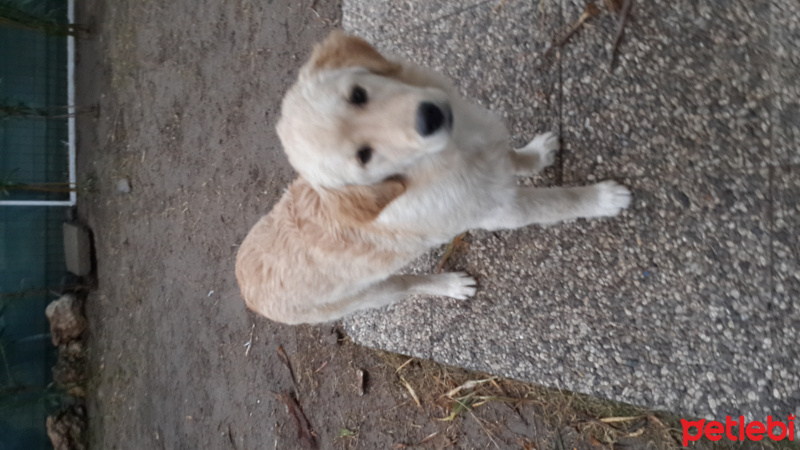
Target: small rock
(65, 429)
(123, 186)
(77, 392)
(69, 369)
(361, 377)
(68, 373)
(334, 338)
(77, 248)
(66, 320)
(72, 350)
(330, 339)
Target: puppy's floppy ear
(340, 50)
(363, 204)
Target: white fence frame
(73, 196)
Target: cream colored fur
(332, 244)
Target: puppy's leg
(551, 205)
(456, 285)
(537, 155)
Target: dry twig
(285, 360)
(623, 18)
(589, 11)
(619, 419)
(472, 384)
(249, 344)
(304, 433)
(411, 391)
(403, 365)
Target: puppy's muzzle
(432, 118)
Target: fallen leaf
(449, 250)
(525, 443)
(461, 404)
(614, 5)
(344, 432)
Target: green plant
(14, 394)
(18, 395)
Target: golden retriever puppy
(391, 163)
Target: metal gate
(37, 185)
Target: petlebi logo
(738, 430)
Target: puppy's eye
(358, 96)
(364, 154)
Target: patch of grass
(452, 392)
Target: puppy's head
(352, 118)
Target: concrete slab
(386, 18)
(689, 91)
(786, 71)
(686, 301)
(77, 249)
(785, 283)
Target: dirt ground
(187, 95)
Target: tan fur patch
(340, 50)
(292, 258)
(363, 204)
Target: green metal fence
(35, 140)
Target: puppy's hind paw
(457, 285)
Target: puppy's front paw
(457, 285)
(612, 198)
(545, 146)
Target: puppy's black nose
(431, 118)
